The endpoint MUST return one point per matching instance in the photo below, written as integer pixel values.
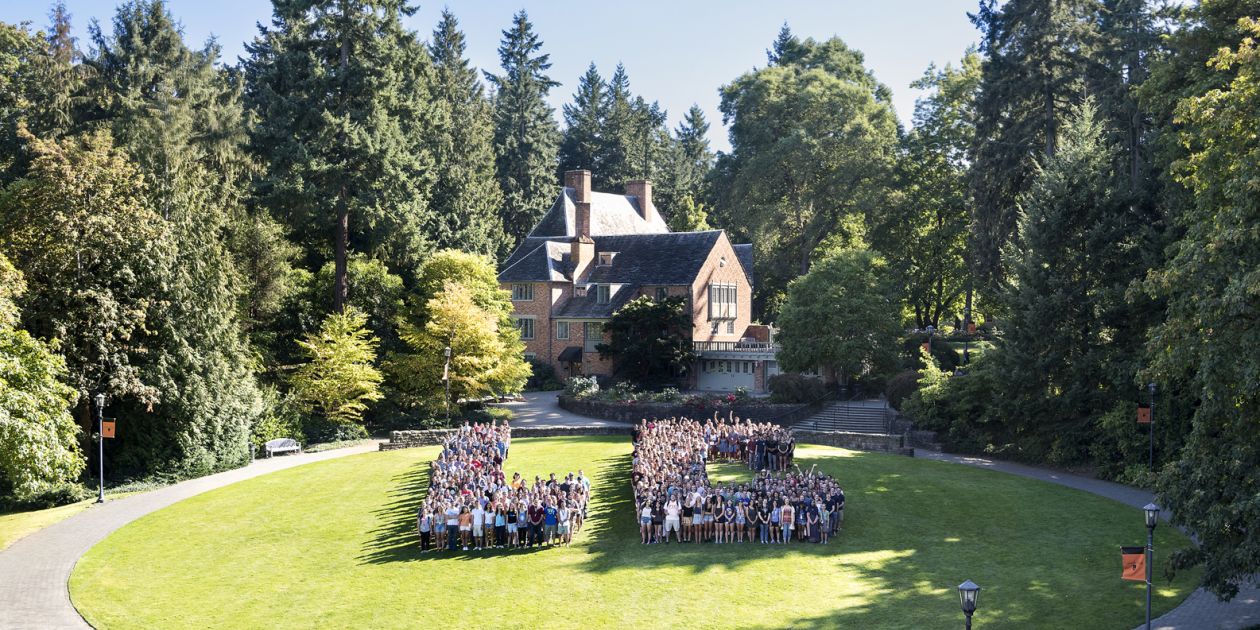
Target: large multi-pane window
(723, 301)
(562, 330)
(522, 292)
(526, 325)
(594, 333)
(603, 293)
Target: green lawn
(15, 525)
(331, 545)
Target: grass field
(15, 525)
(331, 545)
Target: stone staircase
(852, 416)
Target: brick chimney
(641, 189)
(580, 182)
(582, 255)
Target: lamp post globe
(969, 597)
(1152, 515)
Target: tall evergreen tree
(1071, 345)
(340, 92)
(583, 144)
(181, 120)
(526, 137)
(466, 196)
(1036, 53)
(688, 161)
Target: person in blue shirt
(551, 518)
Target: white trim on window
(525, 323)
(522, 292)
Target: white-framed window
(603, 293)
(723, 301)
(526, 326)
(730, 326)
(562, 330)
(522, 292)
(715, 328)
(593, 334)
(606, 258)
(530, 356)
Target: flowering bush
(582, 387)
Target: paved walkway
(35, 571)
(541, 410)
(1201, 610)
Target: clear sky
(678, 52)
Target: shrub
(581, 387)
(281, 420)
(900, 387)
(542, 377)
(318, 429)
(795, 388)
(667, 395)
(946, 357)
(52, 496)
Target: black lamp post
(1151, 430)
(446, 379)
(100, 442)
(1152, 519)
(969, 595)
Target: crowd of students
(673, 494)
(471, 502)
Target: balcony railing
(733, 346)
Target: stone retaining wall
(781, 414)
(856, 441)
(433, 437)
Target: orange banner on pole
(1134, 563)
(971, 328)
(107, 429)
(927, 347)
(1144, 414)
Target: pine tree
(466, 197)
(1036, 53)
(181, 120)
(687, 163)
(1069, 344)
(343, 111)
(526, 136)
(583, 145)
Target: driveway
(541, 410)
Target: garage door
(725, 375)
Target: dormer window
(605, 259)
(603, 293)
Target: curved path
(35, 571)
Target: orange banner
(107, 429)
(1134, 563)
(1144, 414)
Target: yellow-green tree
(485, 359)
(339, 380)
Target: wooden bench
(282, 445)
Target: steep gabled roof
(744, 252)
(610, 214)
(671, 258)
